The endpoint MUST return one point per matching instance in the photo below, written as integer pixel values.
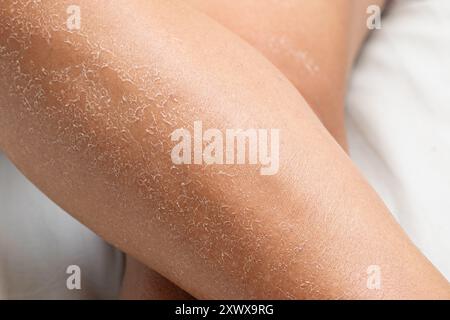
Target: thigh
(290, 34)
(313, 43)
(142, 283)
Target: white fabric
(399, 120)
(38, 241)
(399, 133)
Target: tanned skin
(314, 44)
(87, 117)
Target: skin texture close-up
(318, 69)
(87, 116)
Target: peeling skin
(87, 115)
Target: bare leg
(96, 141)
(309, 43)
(142, 283)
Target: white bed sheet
(39, 241)
(398, 116)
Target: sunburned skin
(312, 42)
(87, 117)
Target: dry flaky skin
(87, 115)
(313, 43)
